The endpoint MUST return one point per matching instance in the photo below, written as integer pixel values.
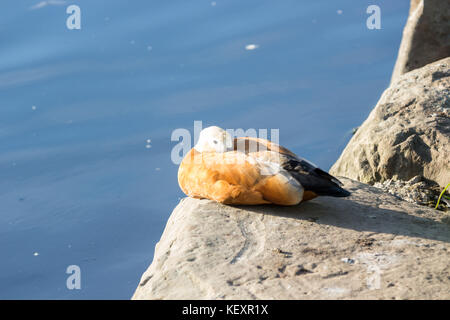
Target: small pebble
(348, 260)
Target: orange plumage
(250, 171)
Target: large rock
(370, 245)
(407, 133)
(426, 36)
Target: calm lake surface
(80, 184)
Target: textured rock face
(369, 245)
(408, 132)
(426, 36)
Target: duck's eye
(215, 141)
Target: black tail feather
(337, 192)
(315, 179)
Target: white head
(214, 139)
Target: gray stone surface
(367, 246)
(426, 36)
(407, 134)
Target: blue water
(78, 186)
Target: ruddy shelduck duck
(251, 171)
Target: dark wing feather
(313, 178)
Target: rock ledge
(368, 246)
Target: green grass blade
(442, 193)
